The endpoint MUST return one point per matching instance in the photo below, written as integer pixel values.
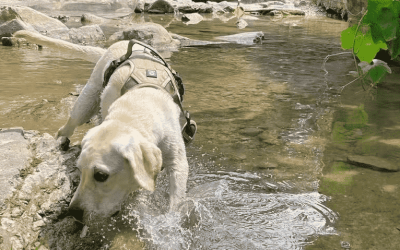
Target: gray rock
(241, 24)
(40, 22)
(161, 7)
(373, 162)
(13, 41)
(89, 18)
(8, 28)
(251, 131)
(269, 137)
(151, 33)
(45, 177)
(139, 7)
(244, 38)
(15, 155)
(192, 18)
(90, 34)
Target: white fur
(139, 134)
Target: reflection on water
(263, 112)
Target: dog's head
(112, 165)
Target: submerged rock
(373, 162)
(37, 182)
(244, 38)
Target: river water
(264, 115)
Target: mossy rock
(357, 118)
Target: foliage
(379, 28)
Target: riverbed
(263, 151)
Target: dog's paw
(63, 142)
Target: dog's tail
(88, 53)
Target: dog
(140, 134)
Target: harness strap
(177, 97)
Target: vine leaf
(347, 37)
(388, 21)
(365, 47)
(394, 46)
(375, 71)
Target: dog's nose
(76, 213)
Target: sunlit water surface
(263, 113)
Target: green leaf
(375, 71)
(389, 23)
(365, 47)
(347, 37)
(394, 46)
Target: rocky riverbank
(37, 184)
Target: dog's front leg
(178, 169)
(87, 104)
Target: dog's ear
(145, 160)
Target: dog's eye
(100, 176)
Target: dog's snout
(76, 213)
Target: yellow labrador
(140, 134)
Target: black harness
(140, 78)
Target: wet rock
(161, 7)
(140, 6)
(40, 22)
(89, 18)
(224, 7)
(13, 41)
(268, 4)
(241, 24)
(90, 34)
(244, 38)
(151, 33)
(274, 13)
(195, 7)
(193, 18)
(373, 162)
(62, 18)
(15, 155)
(8, 28)
(269, 137)
(43, 177)
(251, 131)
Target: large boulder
(9, 27)
(90, 34)
(150, 33)
(161, 7)
(37, 20)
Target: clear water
(263, 112)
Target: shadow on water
(264, 115)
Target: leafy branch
(378, 28)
